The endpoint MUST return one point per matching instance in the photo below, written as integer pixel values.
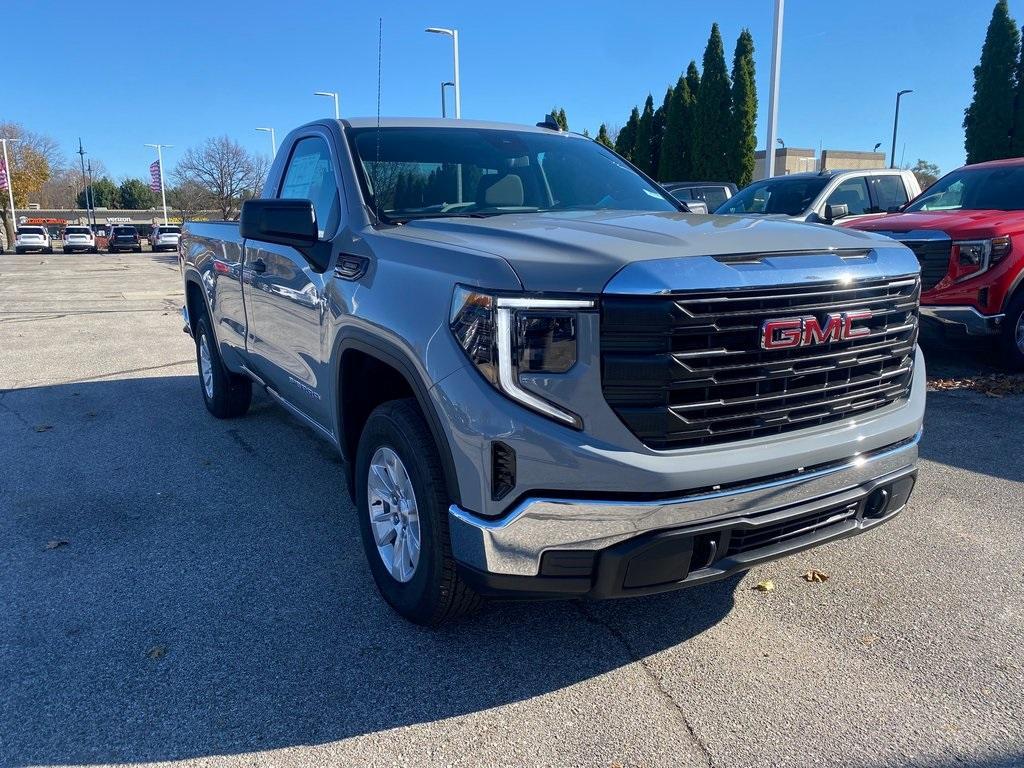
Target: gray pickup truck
(546, 378)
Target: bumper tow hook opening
(877, 503)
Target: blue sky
(180, 72)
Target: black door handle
(259, 266)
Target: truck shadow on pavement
(173, 586)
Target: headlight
(506, 336)
(975, 256)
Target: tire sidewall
(417, 598)
(203, 330)
(1013, 357)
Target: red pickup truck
(967, 230)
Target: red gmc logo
(805, 331)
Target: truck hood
(577, 251)
(957, 224)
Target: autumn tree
(33, 159)
(926, 173)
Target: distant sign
(45, 222)
(119, 219)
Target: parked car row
(81, 239)
(966, 231)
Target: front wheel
(226, 395)
(403, 517)
(1011, 340)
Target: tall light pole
(454, 35)
(443, 86)
(273, 140)
(895, 127)
(85, 185)
(10, 184)
(88, 168)
(160, 159)
(334, 95)
(773, 91)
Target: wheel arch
(355, 349)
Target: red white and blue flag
(3, 174)
(154, 176)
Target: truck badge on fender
(786, 333)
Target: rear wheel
(226, 395)
(48, 250)
(1011, 340)
(66, 250)
(403, 517)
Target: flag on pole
(3, 174)
(154, 176)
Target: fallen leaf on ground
(56, 543)
(869, 639)
(815, 576)
(764, 586)
(993, 385)
(44, 427)
(157, 652)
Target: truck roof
(442, 122)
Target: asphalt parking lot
(175, 588)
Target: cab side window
(854, 193)
(890, 192)
(310, 176)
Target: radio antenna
(376, 166)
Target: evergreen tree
(744, 112)
(641, 156)
(1017, 139)
(627, 136)
(658, 133)
(135, 194)
(602, 137)
(560, 118)
(104, 194)
(712, 114)
(673, 150)
(988, 121)
(689, 140)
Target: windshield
(995, 188)
(76, 231)
(31, 231)
(124, 231)
(789, 196)
(170, 230)
(433, 172)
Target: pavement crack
(651, 674)
(17, 416)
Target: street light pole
(160, 159)
(273, 140)
(454, 35)
(10, 184)
(895, 127)
(773, 91)
(443, 109)
(88, 168)
(337, 111)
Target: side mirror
(836, 211)
(285, 222)
(694, 206)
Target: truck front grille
(687, 369)
(933, 255)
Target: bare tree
(189, 198)
(227, 172)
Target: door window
(854, 193)
(310, 176)
(890, 192)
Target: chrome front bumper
(514, 544)
(967, 319)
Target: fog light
(877, 503)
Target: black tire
(1010, 347)
(95, 250)
(19, 250)
(66, 250)
(435, 593)
(138, 249)
(230, 394)
(48, 250)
